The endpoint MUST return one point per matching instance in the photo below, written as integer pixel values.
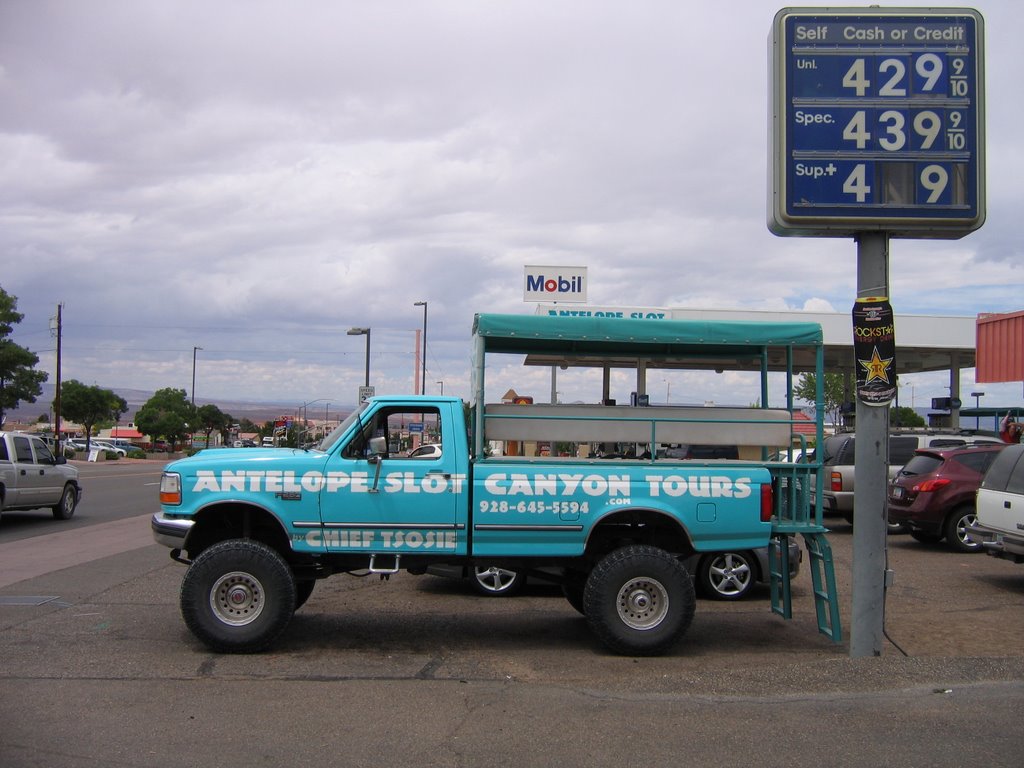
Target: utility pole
(194, 350)
(56, 399)
(423, 362)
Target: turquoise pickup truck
(258, 527)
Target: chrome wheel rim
(495, 579)
(963, 527)
(642, 603)
(237, 598)
(730, 574)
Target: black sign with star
(874, 348)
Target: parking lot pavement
(99, 670)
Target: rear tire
(238, 596)
(957, 525)
(639, 600)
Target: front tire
(238, 596)
(65, 508)
(639, 600)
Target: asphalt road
(97, 669)
(113, 490)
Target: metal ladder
(823, 580)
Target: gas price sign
(878, 122)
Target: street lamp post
(363, 332)
(194, 350)
(423, 376)
(977, 404)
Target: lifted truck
(261, 526)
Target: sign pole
(871, 453)
(878, 132)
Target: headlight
(170, 488)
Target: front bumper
(170, 531)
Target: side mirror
(378, 446)
(59, 460)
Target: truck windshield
(328, 442)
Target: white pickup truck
(31, 477)
(1000, 505)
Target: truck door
(403, 500)
(32, 481)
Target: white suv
(1000, 525)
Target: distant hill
(255, 411)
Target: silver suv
(837, 463)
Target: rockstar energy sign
(874, 348)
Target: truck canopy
(620, 342)
(607, 342)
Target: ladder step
(823, 579)
(779, 580)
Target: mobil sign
(567, 284)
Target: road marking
(29, 558)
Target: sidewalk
(29, 558)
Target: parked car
(728, 575)
(934, 493)
(103, 445)
(837, 453)
(119, 442)
(999, 527)
(428, 451)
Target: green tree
(210, 418)
(89, 406)
(905, 417)
(19, 381)
(167, 414)
(806, 388)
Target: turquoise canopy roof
(613, 336)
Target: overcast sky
(255, 178)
